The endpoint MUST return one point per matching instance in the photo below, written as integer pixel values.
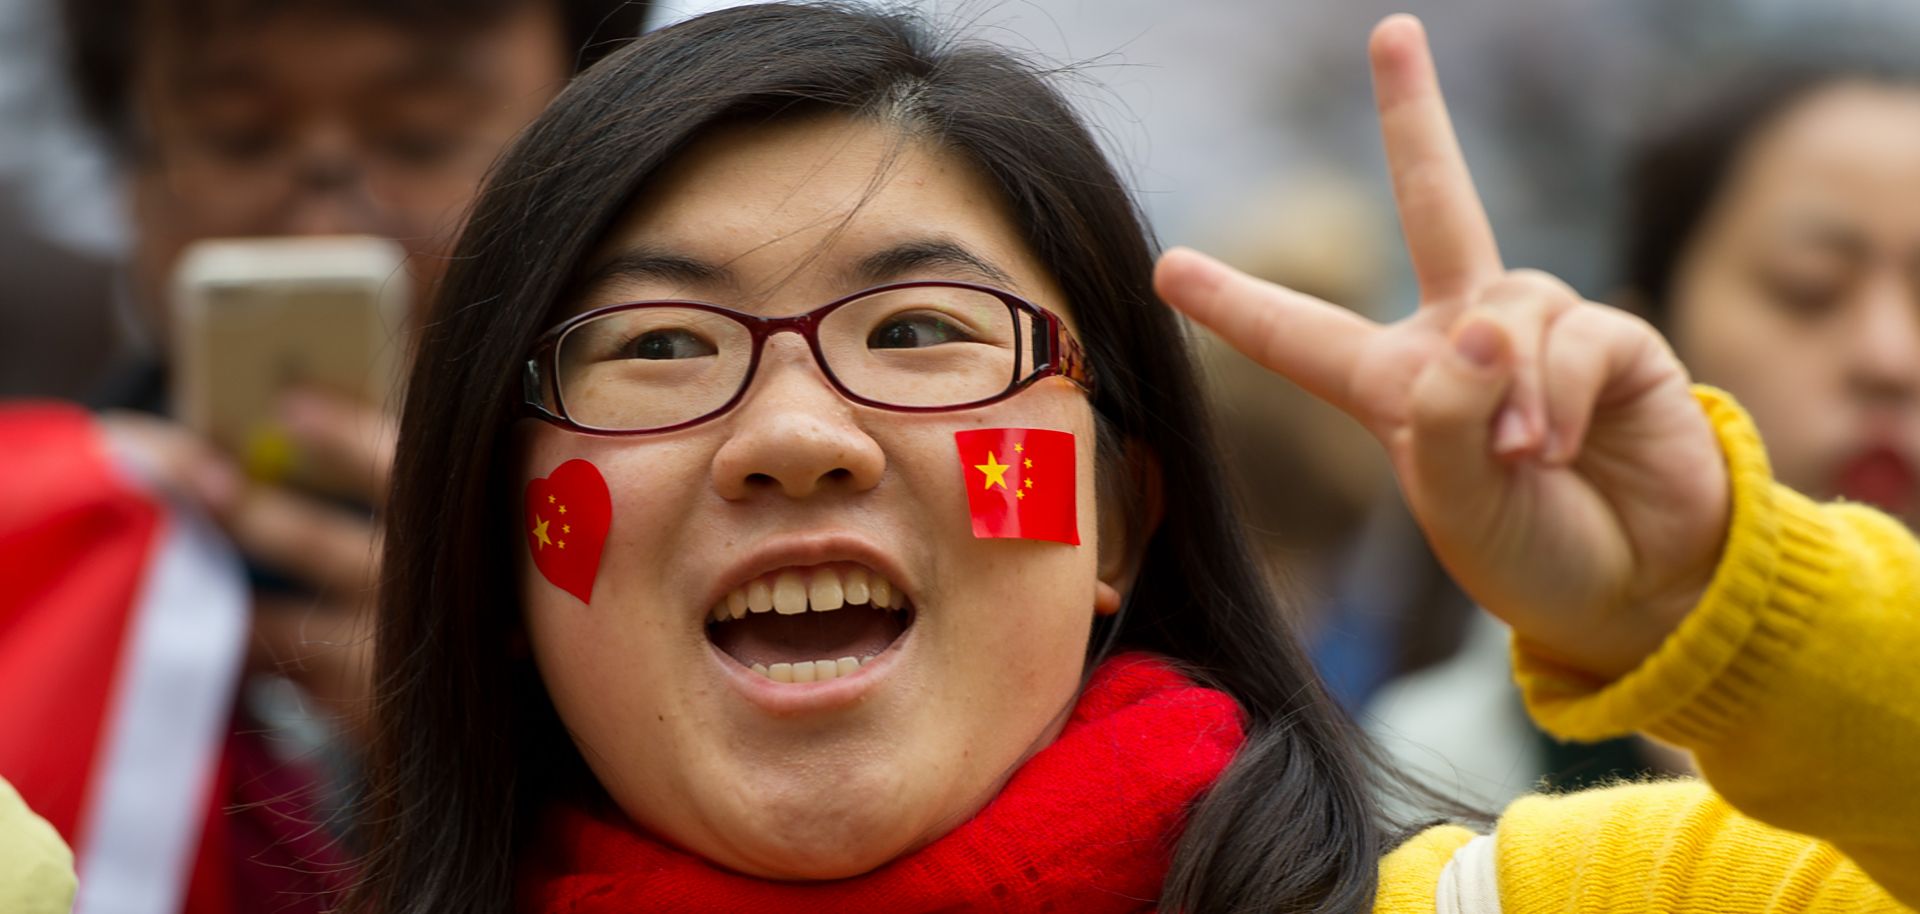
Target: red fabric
(1087, 825)
(1020, 483)
(74, 542)
(210, 883)
(281, 857)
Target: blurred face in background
(310, 122)
(1800, 293)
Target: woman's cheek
(589, 649)
(1785, 373)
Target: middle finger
(1449, 238)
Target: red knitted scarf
(1087, 825)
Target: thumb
(1451, 419)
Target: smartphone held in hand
(255, 318)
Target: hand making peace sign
(1548, 446)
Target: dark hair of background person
(1676, 170)
(104, 37)
(466, 745)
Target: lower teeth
(811, 670)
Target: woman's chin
(812, 855)
(830, 834)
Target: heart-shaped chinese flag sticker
(567, 518)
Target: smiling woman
(804, 502)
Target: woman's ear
(1130, 509)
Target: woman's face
(1801, 294)
(822, 779)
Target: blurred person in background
(1773, 233)
(244, 118)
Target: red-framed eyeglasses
(646, 367)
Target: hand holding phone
(257, 318)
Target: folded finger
(1526, 304)
(330, 548)
(173, 458)
(1586, 351)
(1450, 417)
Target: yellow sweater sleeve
(1795, 683)
(36, 869)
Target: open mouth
(810, 624)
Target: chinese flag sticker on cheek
(1020, 483)
(567, 518)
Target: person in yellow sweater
(802, 502)
(1655, 583)
(36, 868)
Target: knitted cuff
(1779, 563)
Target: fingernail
(1510, 432)
(1479, 342)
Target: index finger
(1312, 343)
(1448, 236)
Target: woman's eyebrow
(899, 261)
(905, 259)
(646, 263)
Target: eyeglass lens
(926, 346)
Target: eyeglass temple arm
(535, 393)
(1071, 362)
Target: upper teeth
(822, 589)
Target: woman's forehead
(819, 206)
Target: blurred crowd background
(1247, 129)
(1219, 110)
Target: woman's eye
(668, 344)
(913, 331)
(1803, 297)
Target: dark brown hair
(105, 38)
(1677, 169)
(467, 744)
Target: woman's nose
(793, 431)
(1886, 345)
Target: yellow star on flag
(996, 471)
(563, 509)
(1027, 483)
(540, 531)
(1019, 448)
(1020, 493)
(1029, 463)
